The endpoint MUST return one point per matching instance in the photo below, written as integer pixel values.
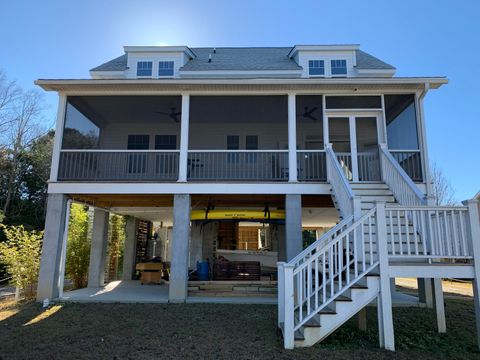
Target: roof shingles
(246, 59)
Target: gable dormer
(156, 62)
(338, 61)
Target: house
(303, 166)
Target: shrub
(21, 255)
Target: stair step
(299, 335)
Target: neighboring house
(251, 154)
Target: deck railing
(429, 232)
(368, 166)
(231, 165)
(411, 162)
(312, 165)
(402, 186)
(118, 165)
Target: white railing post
(289, 307)
(474, 218)
(280, 292)
(385, 317)
(292, 138)
(57, 141)
(184, 125)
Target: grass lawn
(207, 331)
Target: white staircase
(383, 224)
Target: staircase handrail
(303, 272)
(340, 186)
(321, 242)
(402, 186)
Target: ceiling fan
(307, 113)
(173, 114)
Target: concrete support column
(98, 248)
(51, 259)
(130, 247)
(293, 225)
(180, 242)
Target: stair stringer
(345, 310)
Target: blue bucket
(203, 270)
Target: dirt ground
(450, 287)
(214, 331)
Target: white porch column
(184, 125)
(474, 218)
(57, 141)
(292, 138)
(129, 248)
(180, 244)
(98, 248)
(293, 226)
(51, 260)
(384, 308)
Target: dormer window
(144, 68)
(316, 67)
(165, 68)
(338, 67)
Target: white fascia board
(297, 48)
(187, 188)
(159, 49)
(434, 82)
(381, 72)
(112, 74)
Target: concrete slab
(125, 291)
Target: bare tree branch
(442, 189)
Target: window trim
(144, 76)
(339, 75)
(317, 75)
(165, 61)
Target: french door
(354, 139)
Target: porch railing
(401, 185)
(249, 165)
(411, 162)
(312, 165)
(118, 165)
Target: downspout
(426, 160)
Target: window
(165, 68)
(316, 67)
(144, 68)
(338, 67)
(165, 142)
(251, 143)
(138, 142)
(233, 143)
(353, 102)
(137, 162)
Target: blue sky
(64, 39)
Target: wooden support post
(439, 305)
(475, 247)
(289, 306)
(184, 129)
(292, 138)
(280, 292)
(362, 319)
(385, 316)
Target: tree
(9, 93)
(443, 191)
(115, 246)
(21, 255)
(78, 246)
